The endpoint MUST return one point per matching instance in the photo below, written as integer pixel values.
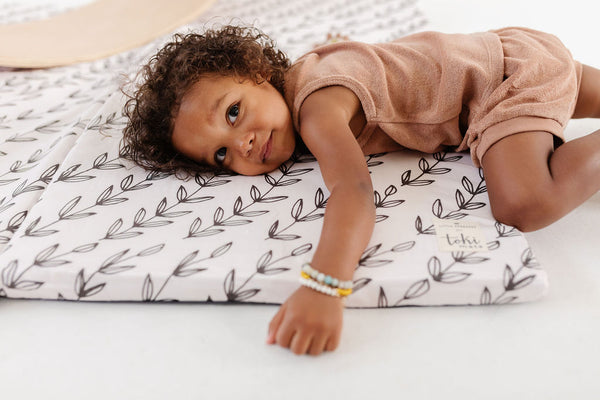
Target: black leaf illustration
(391, 190)
(114, 228)
(379, 218)
(506, 300)
(15, 222)
(405, 178)
(115, 258)
(360, 283)
(486, 297)
(521, 283)
(100, 160)
(86, 248)
(370, 251)
(68, 175)
(468, 185)
(297, 209)
(30, 230)
(403, 246)
(218, 216)
(298, 172)
(43, 258)
(194, 227)
(182, 194)
(453, 277)
(437, 209)
(105, 199)
(320, 200)
(147, 289)
(229, 285)
(493, 245)
(434, 266)
(382, 301)
(305, 248)
(183, 269)
(9, 273)
(151, 250)
(221, 250)
(271, 199)
(263, 261)
(28, 285)
(528, 259)
(68, 207)
(237, 206)
(461, 257)
(287, 182)
(419, 227)
(505, 231)
(126, 182)
(508, 278)
(246, 294)
(254, 193)
(80, 283)
(417, 289)
(424, 165)
(439, 171)
(460, 199)
(48, 174)
(270, 180)
(115, 269)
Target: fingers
(312, 343)
(333, 342)
(300, 343)
(318, 345)
(274, 325)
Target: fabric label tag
(459, 235)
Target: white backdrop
(542, 350)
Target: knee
(522, 209)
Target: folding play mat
(79, 223)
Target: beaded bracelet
(324, 283)
(318, 287)
(326, 279)
(306, 280)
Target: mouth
(266, 150)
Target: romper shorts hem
(513, 126)
(538, 91)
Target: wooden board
(94, 31)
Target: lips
(266, 150)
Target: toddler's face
(242, 126)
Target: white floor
(543, 350)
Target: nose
(245, 143)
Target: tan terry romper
(433, 91)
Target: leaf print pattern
(79, 223)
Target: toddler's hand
(308, 322)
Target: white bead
(321, 277)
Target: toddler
(227, 99)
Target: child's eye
(220, 155)
(233, 112)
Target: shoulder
(329, 105)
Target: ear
(267, 78)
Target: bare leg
(588, 102)
(530, 185)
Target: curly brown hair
(245, 52)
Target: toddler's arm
(310, 321)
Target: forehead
(197, 114)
